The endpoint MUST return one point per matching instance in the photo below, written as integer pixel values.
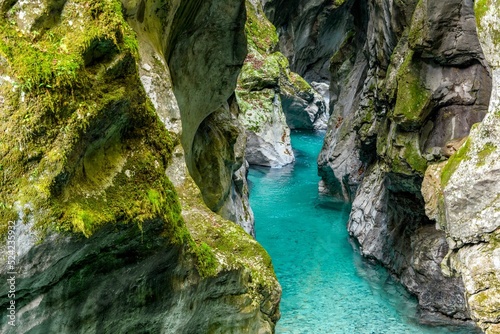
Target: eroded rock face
(100, 228)
(310, 32)
(80, 286)
(471, 193)
(410, 81)
(194, 119)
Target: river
(327, 286)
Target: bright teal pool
(327, 287)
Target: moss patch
(414, 158)
(412, 97)
(482, 8)
(83, 147)
(454, 161)
(223, 245)
(257, 108)
(261, 34)
(485, 152)
(48, 60)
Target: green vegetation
(414, 158)
(257, 106)
(225, 241)
(412, 97)
(261, 71)
(454, 161)
(418, 24)
(83, 147)
(206, 262)
(261, 34)
(402, 152)
(484, 153)
(480, 9)
(299, 84)
(48, 60)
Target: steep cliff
(93, 114)
(469, 201)
(273, 99)
(408, 81)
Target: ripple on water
(327, 286)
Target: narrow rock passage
(327, 287)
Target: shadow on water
(327, 286)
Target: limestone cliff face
(95, 116)
(469, 202)
(409, 80)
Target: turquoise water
(327, 287)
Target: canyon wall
(109, 112)
(469, 197)
(272, 98)
(408, 80)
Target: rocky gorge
(128, 128)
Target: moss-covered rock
(413, 98)
(472, 192)
(75, 111)
(271, 97)
(99, 226)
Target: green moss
(53, 59)
(412, 97)
(300, 83)
(414, 158)
(344, 50)
(454, 161)
(261, 34)
(418, 25)
(206, 261)
(484, 153)
(480, 9)
(231, 246)
(257, 108)
(82, 145)
(403, 152)
(261, 71)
